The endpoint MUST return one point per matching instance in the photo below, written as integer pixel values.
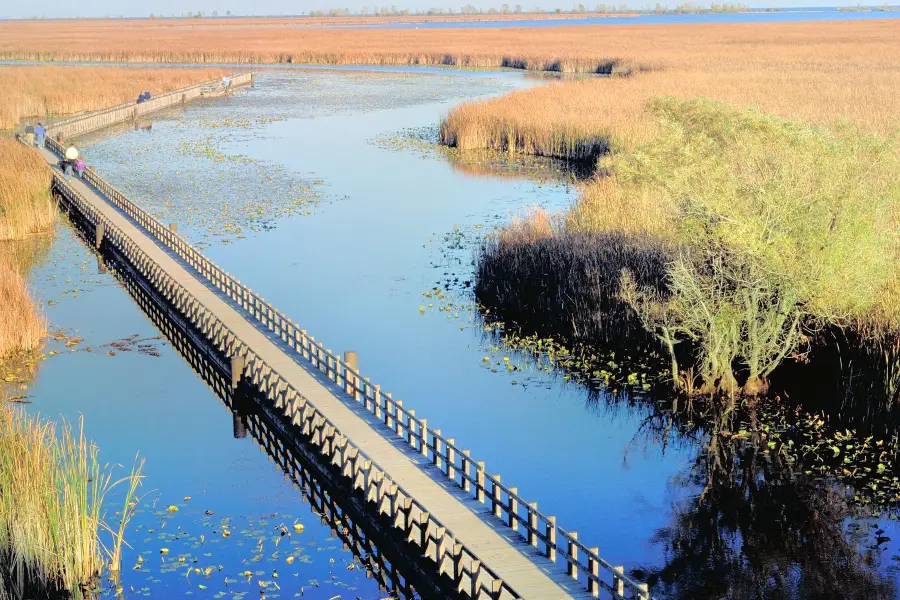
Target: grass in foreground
(40, 91)
(52, 491)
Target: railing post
(352, 361)
(398, 418)
(467, 471)
(479, 481)
(238, 362)
(436, 448)
(643, 592)
(451, 458)
(551, 538)
(513, 520)
(532, 524)
(593, 572)
(572, 567)
(377, 401)
(423, 437)
(173, 227)
(495, 495)
(424, 517)
(618, 585)
(388, 407)
(410, 431)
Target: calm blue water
(796, 15)
(321, 191)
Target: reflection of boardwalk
(464, 521)
(383, 554)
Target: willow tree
(777, 228)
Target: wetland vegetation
(734, 236)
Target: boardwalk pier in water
(476, 531)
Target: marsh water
(325, 192)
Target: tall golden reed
(26, 206)
(52, 491)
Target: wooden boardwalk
(478, 532)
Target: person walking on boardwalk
(69, 162)
(39, 133)
(79, 167)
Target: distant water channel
(324, 192)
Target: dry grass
(22, 324)
(52, 491)
(26, 206)
(818, 79)
(40, 91)
(818, 46)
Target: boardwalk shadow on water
(375, 545)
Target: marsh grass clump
(731, 235)
(26, 206)
(52, 491)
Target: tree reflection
(760, 529)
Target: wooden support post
(411, 435)
(532, 524)
(239, 429)
(593, 572)
(389, 410)
(643, 592)
(466, 470)
(572, 566)
(513, 507)
(377, 401)
(398, 418)
(101, 265)
(495, 497)
(99, 231)
(618, 582)
(424, 518)
(238, 362)
(438, 450)
(551, 538)
(457, 565)
(440, 533)
(479, 481)
(496, 589)
(451, 459)
(423, 437)
(474, 576)
(352, 361)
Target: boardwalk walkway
(463, 519)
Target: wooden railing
(91, 121)
(541, 531)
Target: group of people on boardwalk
(71, 164)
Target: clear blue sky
(130, 8)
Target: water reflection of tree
(759, 529)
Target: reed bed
(585, 49)
(584, 119)
(26, 206)
(52, 491)
(22, 323)
(41, 91)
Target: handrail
(541, 530)
(54, 127)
